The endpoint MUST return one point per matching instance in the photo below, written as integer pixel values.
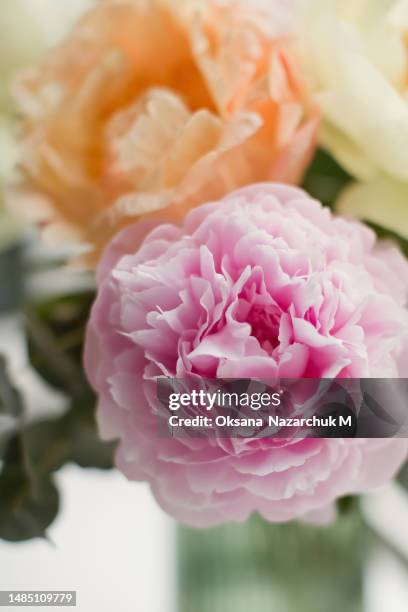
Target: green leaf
(325, 179)
(403, 476)
(55, 338)
(86, 448)
(29, 503)
(347, 504)
(29, 498)
(55, 335)
(10, 399)
(47, 444)
(71, 439)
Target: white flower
(355, 54)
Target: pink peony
(264, 283)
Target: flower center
(264, 322)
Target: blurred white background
(111, 543)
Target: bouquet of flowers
(233, 174)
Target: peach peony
(152, 107)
